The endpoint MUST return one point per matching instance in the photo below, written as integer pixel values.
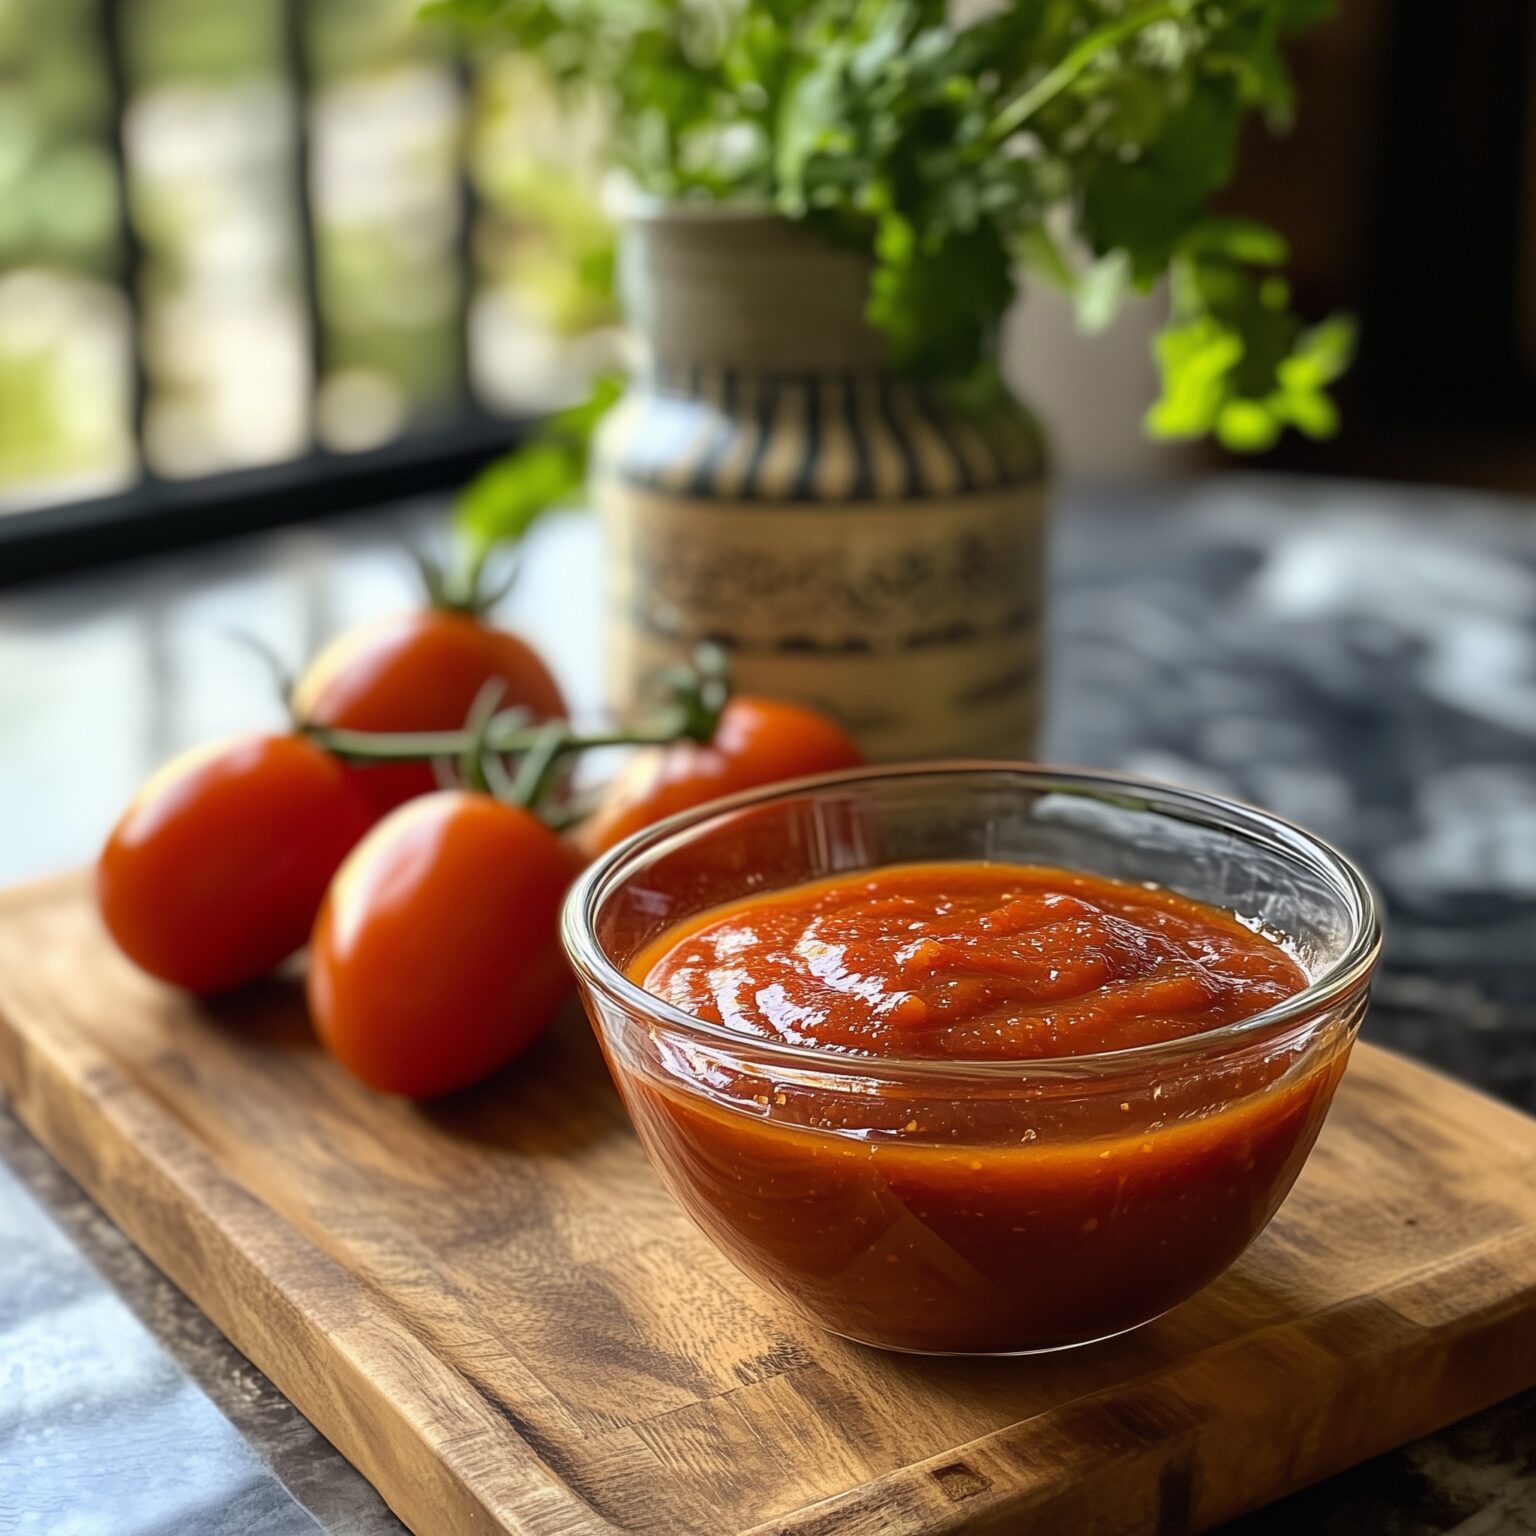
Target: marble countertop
(1359, 658)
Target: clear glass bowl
(979, 1206)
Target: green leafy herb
(1080, 140)
(547, 470)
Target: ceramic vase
(851, 539)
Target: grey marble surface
(1361, 659)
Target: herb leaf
(548, 470)
(1080, 140)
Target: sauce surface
(968, 960)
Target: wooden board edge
(227, 1251)
(69, 884)
(1010, 1482)
(1023, 1480)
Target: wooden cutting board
(493, 1309)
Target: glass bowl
(979, 1207)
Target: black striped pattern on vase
(731, 435)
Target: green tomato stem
(481, 713)
(506, 736)
(536, 772)
(698, 697)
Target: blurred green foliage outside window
(344, 232)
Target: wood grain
(493, 1309)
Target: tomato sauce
(969, 961)
(940, 1211)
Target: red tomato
(757, 742)
(436, 957)
(216, 870)
(417, 672)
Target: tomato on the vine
(756, 741)
(215, 872)
(418, 672)
(436, 957)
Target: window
(275, 250)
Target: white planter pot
(850, 539)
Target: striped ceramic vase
(848, 538)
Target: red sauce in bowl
(982, 1213)
(968, 961)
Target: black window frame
(157, 515)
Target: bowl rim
(1342, 977)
